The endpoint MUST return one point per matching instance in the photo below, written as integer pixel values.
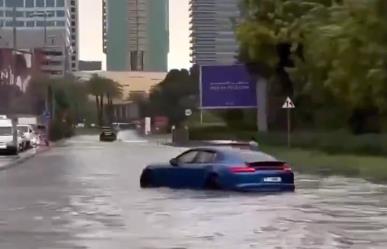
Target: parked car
(29, 134)
(221, 168)
(7, 143)
(107, 134)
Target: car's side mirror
(174, 162)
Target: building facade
(145, 44)
(74, 24)
(213, 38)
(47, 26)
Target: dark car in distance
(107, 135)
(221, 168)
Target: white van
(7, 143)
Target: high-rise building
(145, 44)
(74, 15)
(47, 26)
(213, 38)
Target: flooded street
(86, 194)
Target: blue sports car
(221, 168)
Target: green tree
(334, 51)
(177, 92)
(101, 87)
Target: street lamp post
(50, 106)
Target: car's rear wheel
(212, 182)
(146, 179)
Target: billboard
(15, 77)
(227, 87)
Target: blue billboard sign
(227, 87)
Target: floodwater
(86, 194)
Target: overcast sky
(91, 32)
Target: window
(1, 13)
(205, 157)
(1, 3)
(60, 3)
(39, 3)
(30, 4)
(252, 157)
(50, 23)
(9, 13)
(40, 23)
(50, 3)
(50, 13)
(60, 23)
(187, 157)
(30, 13)
(30, 24)
(20, 14)
(20, 24)
(9, 24)
(4, 131)
(14, 3)
(60, 13)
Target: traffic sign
(288, 104)
(188, 112)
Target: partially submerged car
(221, 168)
(107, 134)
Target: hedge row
(339, 142)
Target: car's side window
(205, 157)
(188, 157)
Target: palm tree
(96, 87)
(113, 90)
(101, 87)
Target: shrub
(339, 142)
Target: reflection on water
(323, 213)
(86, 194)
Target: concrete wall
(33, 38)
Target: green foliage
(177, 92)
(338, 142)
(102, 87)
(337, 56)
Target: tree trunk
(99, 117)
(102, 109)
(109, 108)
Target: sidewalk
(10, 161)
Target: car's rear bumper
(108, 138)
(265, 187)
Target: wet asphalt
(86, 194)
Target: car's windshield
(5, 131)
(253, 156)
(23, 129)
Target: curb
(21, 160)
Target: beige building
(133, 84)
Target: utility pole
(14, 77)
(14, 28)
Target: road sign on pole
(188, 112)
(289, 105)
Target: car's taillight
(286, 167)
(242, 169)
